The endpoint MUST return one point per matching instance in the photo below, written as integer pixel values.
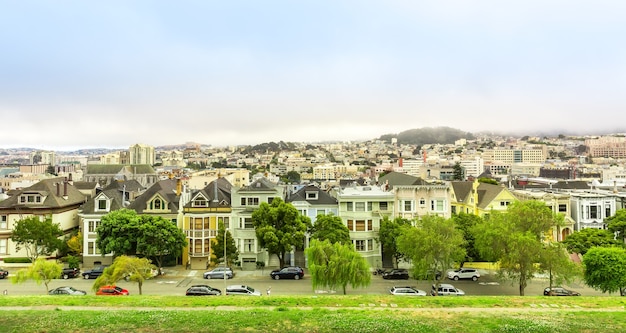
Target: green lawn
(311, 314)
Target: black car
(559, 291)
(396, 274)
(294, 272)
(69, 273)
(3, 273)
(94, 273)
(202, 290)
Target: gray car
(218, 273)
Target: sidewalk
(182, 272)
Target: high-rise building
(141, 154)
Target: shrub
(17, 260)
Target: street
(175, 282)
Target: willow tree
(133, 269)
(433, 244)
(41, 271)
(336, 265)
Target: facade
(56, 198)
(362, 208)
(559, 203)
(589, 209)
(515, 155)
(414, 197)
(608, 146)
(202, 215)
(141, 154)
(106, 174)
(479, 198)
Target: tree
(117, 232)
(582, 241)
(40, 271)
(37, 237)
(556, 261)
(389, 231)
(280, 227)
(465, 223)
(125, 267)
(293, 177)
(75, 244)
(605, 269)
(515, 239)
(459, 173)
(218, 247)
(433, 244)
(158, 238)
(617, 224)
(330, 227)
(335, 265)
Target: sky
(86, 74)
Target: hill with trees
(429, 135)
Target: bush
(17, 260)
(260, 264)
(73, 262)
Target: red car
(112, 291)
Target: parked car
(464, 273)
(3, 273)
(293, 272)
(94, 273)
(429, 275)
(445, 289)
(66, 290)
(559, 291)
(218, 273)
(396, 274)
(69, 273)
(112, 291)
(242, 290)
(407, 291)
(202, 290)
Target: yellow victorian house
(473, 197)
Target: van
(445, 289)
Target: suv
(294, 272)
(242, 290)
(3, 273)
(464, 273)
(446, 290)
(93, 273)
(396, 274)
(69, 273)
(218, 273)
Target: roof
(166, 189)
(56, 193)
(112, 169)
(222, 187)
(398, 178)
(323, 198)
(486, 192)
(261, 184)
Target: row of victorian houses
(80, 206)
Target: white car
(407, 291)
(446, 290)
(242, 290)
(464, 273)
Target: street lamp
(224, 224)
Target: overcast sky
(115, 73)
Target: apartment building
(590, 208)
(607, 146)
(510, 156)
(559, 203)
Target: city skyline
(77, 74)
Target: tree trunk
(522, 284)
(140, 284)
(281, 260)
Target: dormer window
(157, 203)
(311, 195)
(199, 202)
(30, 198)
(102, 204)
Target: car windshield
(250, 289)
(118, 289)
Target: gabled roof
(125, 185)
(57, 193)
(398, 178)
(352, 182)
(323, 198)
(113, 169)
(223, 188)
(561, 184)
(113, 195)
(462, 189)
(261, 184)
(166, 189)
(486, 192)
(82, 185)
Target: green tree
(218, 247)
(40, 271)
(133, 269)
(555, 260)
(515, 239)
(118, 232)
(158, 238)
(433, 244)
(280, 227)
(458, 172)
(582, 241)
(388, 233)
(335, 265)
(487, 180)
(605, 269)
(37, 237)
(330, 227)
(293, 177)
(617, 224)
(466, 222)
(75, 244)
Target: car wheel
(474, 278)
(86, 276)
(276, 277)
(456, 278)
(297, 277)
(65, 276)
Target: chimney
(65, 189)
(179, 186)
(70, 179)
(58, 186)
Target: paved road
(175, 282)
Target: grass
(359, 313)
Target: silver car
(218, 273)
(406, 291)
(242, 290)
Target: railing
(206, 233)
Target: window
(102, 204)
(607, 211)
(311, 195)
(3, 246)
(269, 200)
(247, 223)
(382, 206)
(349, 206)
(248, 245)
(360, 225)
(359, 245)
(93, 225)
(370, 245)
(320, 212)
(369, 225)
(158, 204)
(506, 203)
(224, 220)
(437, 205)
(369, 206)
(407, 205)
(253, 202)
(562, 208)
(350, 225)
(90, 247)
(199, 202)
(359, 206)
(3, 222)
(592, 212)
(422, 202)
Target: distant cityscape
(198, 186)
